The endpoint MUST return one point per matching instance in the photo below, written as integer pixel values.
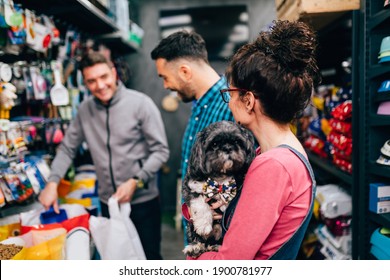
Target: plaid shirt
(208, 109)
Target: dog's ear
(249, 145)
(196, 162)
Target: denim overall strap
(290, 248)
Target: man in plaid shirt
(182, 62)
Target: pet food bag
(45, 244)
(12, 248)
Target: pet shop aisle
(172, 243)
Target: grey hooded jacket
(126, 138)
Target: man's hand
(49, 196)
(125, 192)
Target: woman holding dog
(271, 81)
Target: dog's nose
(228, 149)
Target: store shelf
(116, 41)
(382, 219)
(378, 70)
(380, 18)
(80, 13)
(19, 208)
(373, 127)
(328, 166)
(378, 169)
(382, 96)
(379, 120)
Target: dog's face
(222, 149)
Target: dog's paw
(217, 231)
(213, 248)
(194, 250)
(196, 186)
(204, 230)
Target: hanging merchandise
(13, 17)
(3, 24)
(55, 33)
(58, 94)
(39, 83)
(7, 97)
(39, 36)
(5, 72)
(16, 31)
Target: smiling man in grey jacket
(126, 137)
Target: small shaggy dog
(219, 160)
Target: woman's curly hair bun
(292, 44)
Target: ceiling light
(166, 32)
(244, 17)
(175, 20)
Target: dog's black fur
(222, 150)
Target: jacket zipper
(109, 148)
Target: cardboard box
(317, 13)
(379, 198)
(380, 207)
(379, 192)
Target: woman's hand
(215, 205)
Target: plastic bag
(116, 238)
(9, 226)
(45, 244)
(77, 228)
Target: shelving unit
(338, 41)
(16, 209)
(86, 17)
(115, 41)
(374, 129)
(330, 168)
(80, 13)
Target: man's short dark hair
(91, 59)
(181, 44)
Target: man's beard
(185, 98)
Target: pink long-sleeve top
(274, 201)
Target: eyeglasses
(226, 95)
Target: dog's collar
(227, 191)
(221, 187)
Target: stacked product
(81, 190)
(384, 52)
(334, 233)
(330, 130)
(340, 136)
(380, 244)
(379, 198)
